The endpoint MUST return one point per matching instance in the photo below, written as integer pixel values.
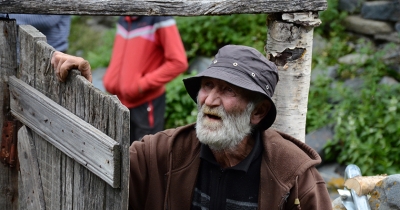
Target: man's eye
(208, 84)
(229, 91)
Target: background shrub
(181, 109)
(204, 35)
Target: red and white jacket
(148, 53)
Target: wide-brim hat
(244, 67)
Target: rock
(350, 6)
(381, 10)
(354, 58)
(317, 139)
(360, 25)
(388, 81)
(397, 26)
(329, 72)
(337, 204)
(332, 178)
(390, 37)
(355, 84)
(386, 194)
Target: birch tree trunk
(289, 46)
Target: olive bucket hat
(244, 67)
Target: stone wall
(378, 19)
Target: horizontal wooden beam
(157, 7)
(73, 136)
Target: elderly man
(228, 159)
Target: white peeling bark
(289, 46)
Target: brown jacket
(164, 166)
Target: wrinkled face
(224, 114)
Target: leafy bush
(94, 46)
(204, 35)
(367, 131)
(181, 109)
(366, 123)
(331, 21)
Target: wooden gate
(74, 140)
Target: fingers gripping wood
(62, 63)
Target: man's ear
(261, 110)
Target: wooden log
(70, 134)
(166, 7)
(363, 185)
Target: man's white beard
(226, 133)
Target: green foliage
(204, 35)
(367, 131)
(366, 123)
(181, 109)
(318, 102)
(100, 56)
(331, 21)
(94, 46)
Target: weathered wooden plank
(94, 195)
(155, 7)
(73, 136)
(41, 152)
(68, 101)
(30, 173)
(8, 66)
(28, 36)
(52, 159)
(118, 129)
(122, 135)
(80, 173)
(46, 81)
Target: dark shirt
(230, 188)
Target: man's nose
(213, 98)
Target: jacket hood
(288, 157)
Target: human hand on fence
(62, 63)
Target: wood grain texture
(66, 183)
(8, 66)
(363, 185)
(31, 183)
(28, 36)
(73, 136)
(156, 7)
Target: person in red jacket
(148, 53)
